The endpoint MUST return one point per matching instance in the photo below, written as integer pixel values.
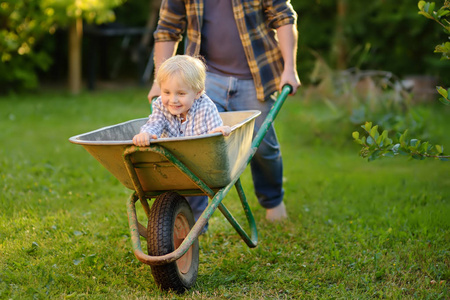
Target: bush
(23, 25)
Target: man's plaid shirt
(201, 118)
(256, 21)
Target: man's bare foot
(277, 213)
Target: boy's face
(177, 97)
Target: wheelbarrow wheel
(170, 221)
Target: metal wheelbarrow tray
(212, 157)
(168, 170)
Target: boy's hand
(225, 130)
(143, 139)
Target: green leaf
(359, 141)
(442, 13)
(431, 7)
(415, 143)
(421, 4)
(367, 126)
(374, 132)
(383, 139)
(444, 101)
(403, 152)
(442, 91)
(426, 15)
(395, 148)
(402, 139)
(380, 139)
(440, 149)
(355, 135)
(425, 147)
(376, 154)
(389, 154)
(417, 156)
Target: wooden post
(75, 41)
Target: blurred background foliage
(28, 31)
(376, 35)
(341, 34)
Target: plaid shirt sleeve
(256, 25)
(177, 17)
(172, 21)
(157, 121)
(279, 13)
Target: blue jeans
(232, 94)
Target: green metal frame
(216, 197)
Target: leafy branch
(442, 17)
(445, 95)
(376, 145)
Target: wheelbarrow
(169, 170)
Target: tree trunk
(341, 49)
(75, 41)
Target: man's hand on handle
(291, 78)
(154, 92)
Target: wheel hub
(181, 230)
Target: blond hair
(191, 70)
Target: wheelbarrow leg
(248, 212)
(250, 241)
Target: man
(250, 50)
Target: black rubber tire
(168, 210)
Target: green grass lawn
(355, 230)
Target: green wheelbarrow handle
(286, 90)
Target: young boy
(183, 109)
